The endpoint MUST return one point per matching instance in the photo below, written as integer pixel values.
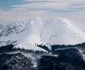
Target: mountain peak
(38, 30)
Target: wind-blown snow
(49, 31)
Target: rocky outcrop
(69, 59)
(62, 58)
(15, 62)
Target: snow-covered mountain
(47, 31)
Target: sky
(19, 9)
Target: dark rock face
(69, 59)
(15, 62)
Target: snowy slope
(62, 31)
(38, 30)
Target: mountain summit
(46, 31)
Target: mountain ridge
(49, 31)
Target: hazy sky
(17, 9)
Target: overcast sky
(17, 9)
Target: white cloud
(66, 1)
(38, 0)
(10, 16)
(43, 5)
(46, 8)
(51, 6)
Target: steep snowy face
(12, 28)
(35, 28)
(62, 31)
(37, 31)
(26, 33)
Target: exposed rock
(69, 59)
(15, 62)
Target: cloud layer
(74, 9)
